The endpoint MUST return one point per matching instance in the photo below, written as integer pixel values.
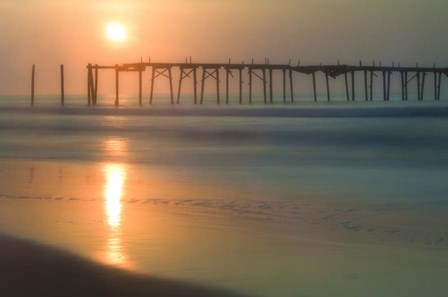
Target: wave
(289, 111)
(344, 217)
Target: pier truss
(264, 73)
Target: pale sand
(30, 269)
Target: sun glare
(115, 175)
(116, 32)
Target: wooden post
(264, 85)
(240, 70)
(435, 85)
(89, 84)
(418, 86)
(406, 86)
(250, 85)
(217, 86)
(328, 87)
(151, 92)
(346, 86)
(62, 85)
(314, 86)
(171, 85)
(92, 86)
(195, 85)
(284, 85)
(402, 85)
(271, 91)
(33, 72)
(140, 87)
(388, 85)
(423, 86)
(291, 85)
(95, 89)
(202, 86)
(227, 85)
(384, 86)
(438, 85)
(117, 85)
(366, 87)
(353, 86)
(180, 83)
(371, 85)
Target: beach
(29, 269)
(274, 204)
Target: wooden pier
(264, 73)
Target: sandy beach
(30, 269)
(261, 248)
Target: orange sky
(50, 32)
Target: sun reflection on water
(115, 176)
(115, 147)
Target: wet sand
(204, 233)
(31, 269)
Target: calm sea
(381, 151)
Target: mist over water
(398, 151)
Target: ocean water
(364, 151)
(288, 196)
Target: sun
(116, 32)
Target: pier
(202, 74)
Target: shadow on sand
(29, 269)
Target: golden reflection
(115, 255)
(115, 147)
(115, 177)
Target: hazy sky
(51, 32)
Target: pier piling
(418, 86)
(366, 86)
(264, 85)
(117, 85)
(95, 88)
(62, 85)
(291, 86)
(388, 85)
(284, 85)
(89, 92)
(353, 86)
(271, 91)
(240, 71)
(161, 70)
(33, 72)
(227, 85)
(346, 86)
(423, 86)
(250, 85)
(140, 92)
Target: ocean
(305, 199)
